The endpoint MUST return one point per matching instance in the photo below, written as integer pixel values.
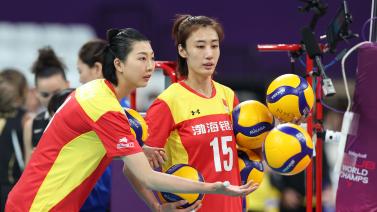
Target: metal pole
(168, 67)
(133, 100)
(317, 114)
(309, 169)
(319, 144)
(373, 23)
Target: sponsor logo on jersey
(123, 143)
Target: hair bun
(111, 33)
(46, 58)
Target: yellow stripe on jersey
(182, 111)
(84, 153)
(175, 151)
(96, 98)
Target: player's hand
(231, 190)
(156, 156)
(173, 206)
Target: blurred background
(26, 26)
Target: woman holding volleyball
(191, 119)
(90, 129)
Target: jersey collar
(197, 93)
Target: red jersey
(86, 133)
(197, 130)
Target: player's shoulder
(94, 88)
(222, 88)
(174, 90)
(97, 97)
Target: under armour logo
(193, 112)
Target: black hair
(120, 45)
(183, 27)
(47, 65)
(92, 52)
(58, 99)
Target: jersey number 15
(226, 150)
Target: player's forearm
(139, 166)
(144, 193)
(169, 183)
(27, 134)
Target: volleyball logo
(138, 125)
(251, 123)
(289, 97)
(188, 172)
(288, 149)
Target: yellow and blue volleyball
(251, 122)
(188, 172)
(251, 166)
(288, 149)
(138, 125)
(289, 97)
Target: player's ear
(182, 51)
(98, 70)
(118, 65)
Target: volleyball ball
(289, 97)
(188, 172)
(251, 122)
(251, 166)
(139, 127)
(288, 149)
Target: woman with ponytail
(49, 78)
(196, 126)
(90, 129)
(90, 59)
